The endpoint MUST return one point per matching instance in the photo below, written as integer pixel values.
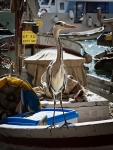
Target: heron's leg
(53, 125)
(65, 123)
(54, 110)
(62, 106)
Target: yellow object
(29, 37)
(108, 37)
(38, 22)
(16, 82)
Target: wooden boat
(69, 46)
(94, 129)
(84, 35)
(47, 41)
(104, 60)
(44, 41)
(94, 134)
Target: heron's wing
(65, 78)
(48, 76)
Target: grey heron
(56, 72)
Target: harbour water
(92, 48)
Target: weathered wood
(100, 86)
(111, 87)
(13, 6)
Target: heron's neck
(58, 45)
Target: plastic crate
(33, 120)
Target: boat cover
(36, 65)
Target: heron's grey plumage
(56, 72)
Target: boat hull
(95, 135)
(80, 135)
(85, 35)
(97, 142)
(104, 61)
(44, 41)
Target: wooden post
(32, 49)
(112, 33)
(111, 86)
(16, 44)
(112, 76)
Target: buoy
(43, 10)
(88, 58)
(56, 19)
(90, 21)
(71, 14)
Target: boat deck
(94, 108)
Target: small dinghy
(104, 60)
(84, 35)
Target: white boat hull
(90, 135)
(85, 35)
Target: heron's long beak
(69, 26)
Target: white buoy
(41, 11)
(56, 19)
(90, 21)
(71, 14)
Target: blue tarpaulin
(29, 98)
